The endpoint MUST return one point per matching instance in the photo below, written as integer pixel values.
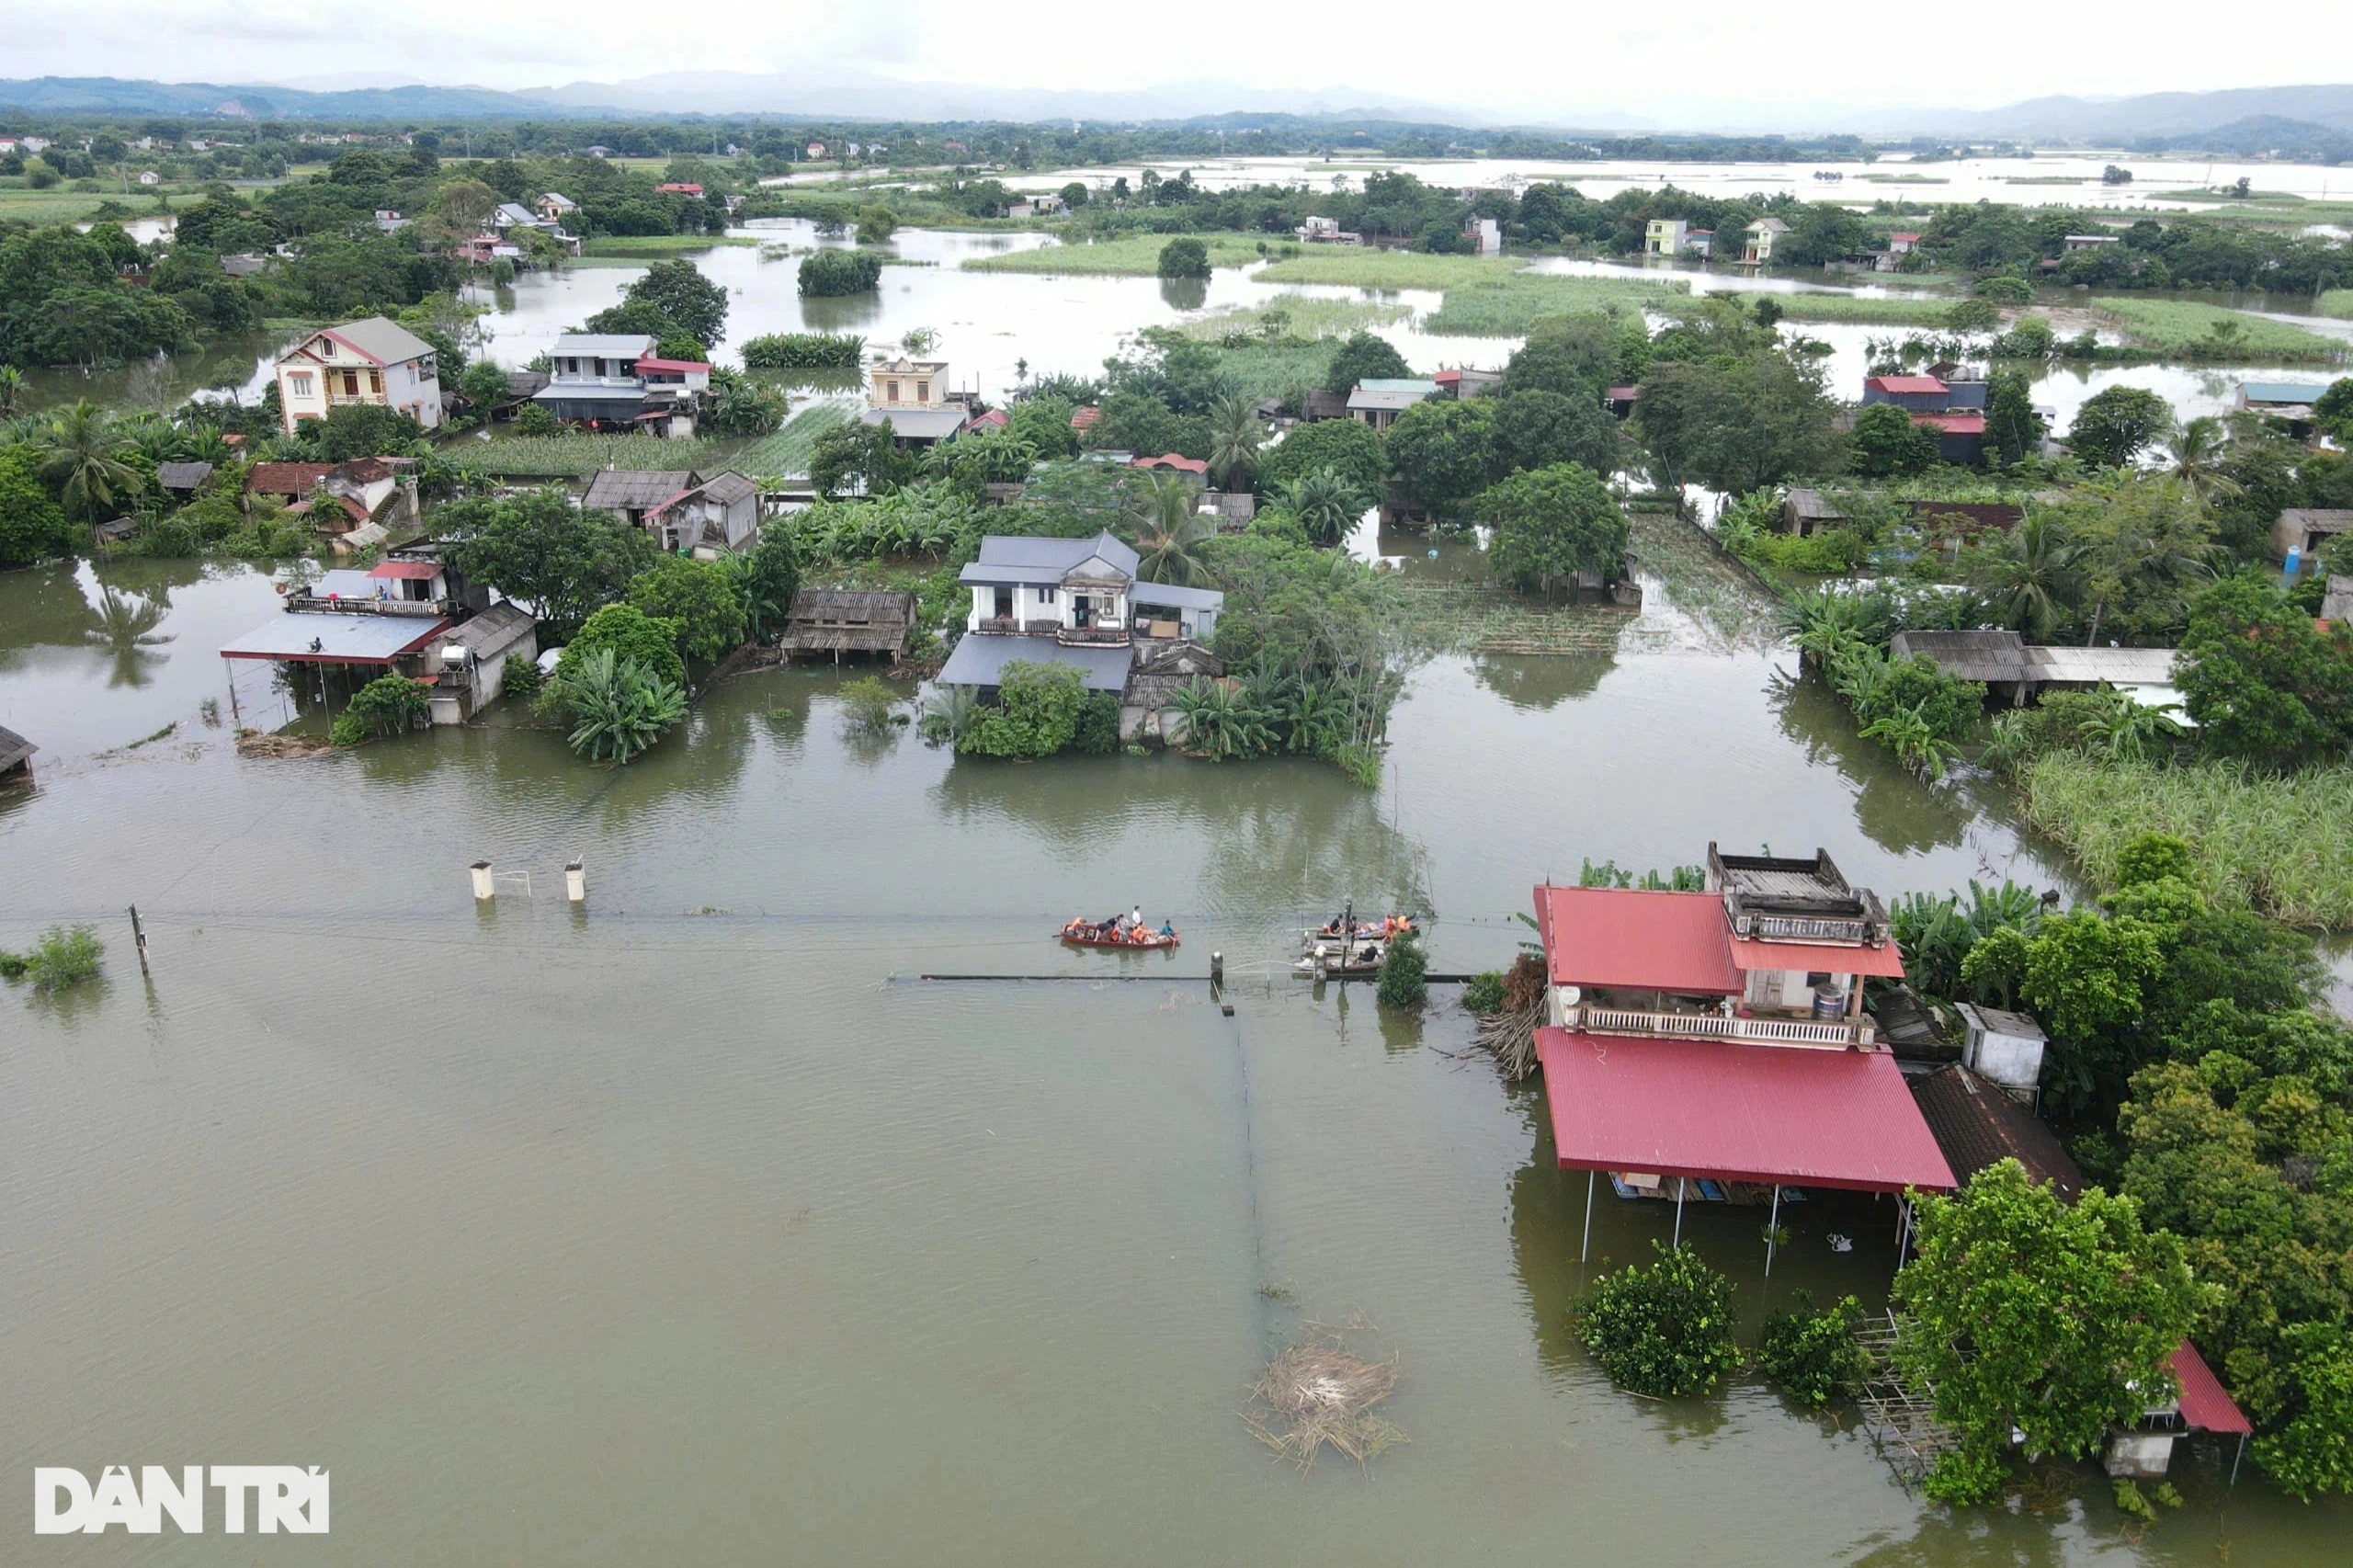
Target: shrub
(698, 598)
(537, 419)
(1184, 258)
(1484, 993)
(868, 705)
(66, 956)
(32, 526)
(832, 273)
(521, 678)
(1404, 972)
(1037, 713)
(1663, 1330)
(385, 706)
(1810, 1354)
(630, 633)
(1099, 725)
(804, 351)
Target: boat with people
(1344, 927)
(1358, 960)
(1123, 931)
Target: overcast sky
(1532, 57)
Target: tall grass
(1363, 266)
(1128, 255)
(574, 457)
(1865, 309)
(2336, 302)
(786, 451)
(1295, 316)
(2185, 329)
(2278, 846)
(658, 247)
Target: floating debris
(1317, 1392)
(252, 743)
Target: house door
(1004, 604)
(1082, 611)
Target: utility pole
(139, 937)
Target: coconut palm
(82, 455)
(126, 629)
(2030, 575)
(1236, 431)
(1327, 503)
(2194, 455)
(1170, 532)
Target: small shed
(2306, 531)
(1805, 511)
(1977, 1124)
(850, 621)
(1996, 658)
(1322, 404)
(184, 479)
(15, 756)
(2003, 1048)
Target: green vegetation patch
(1508, 304)
(575, 457)
(1295, 316)
(1861, 309)
(658, 245)
(788, 450)
(2254, 836)
(1477, 617)
(1128, 256)
(2188, 330)
(2336, 302)
(1363, 266)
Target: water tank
(1571, 996)
(1828, 1003)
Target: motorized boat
(1128, 939)
(1331, 960)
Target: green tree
(1364, 356)
(2141, 544)
(1037, 715)
(82, 452)
(876, 224)
(619, 706)
(32, 526)
(1444, 451)
(2029, 575)
(835, 273)
(564, 560)
(2021, 1311)
(386, 706)
(2194, 456)
(1326, 501)
(1551, 524)
(2087, 979)
(2261, 680)
(1664, 1329)
(2117, 425)
(679, 290)
(1404, 968)
(1537, 428)
(631, 635)
(361, 430)
(2013, 429)
(1886, 443)
(1578, 355)
(856, 456)
(1235, 432)
(1811, 1355)
(1170, 531)
(1347, 447)
(1184, 257)
(764, 578)
(1736, 426)
(700, 595)
(484, 384)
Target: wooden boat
(1082, 936)
(1345, 963)
(1363, 931)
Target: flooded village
(800, 848)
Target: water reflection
(126, 631)
(1184, 293)
(1539, 683)
(1891, 806)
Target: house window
(351, 383)
(326, 346)
(375, 380)
(299, 383)
(1045, 596)
(890, 392)
(923, 391)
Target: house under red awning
(2205, 1407)
(1810, 958)
(1724, 1111)
(1636, 939)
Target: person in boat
(1336, 926)
(1135, 917)
(1167, 930)
(1371, 953)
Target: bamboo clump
(1509, 1032)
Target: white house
(611, 379)
(1761, 235)
(1070, 601)
(372, 360)
(913, 395)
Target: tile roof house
(369, 361)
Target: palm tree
(2194, 455)
(82, 455)
(2030, 575)
(1170, 533)
(126, 629)
(1325, 503)
(1236, 431)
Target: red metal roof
(1624, 394)
(1171, 459)
(2205, 1407)
(285, 478)
(1727, 1113)
(1953, 424)
(650, 363)
(1080, 418)
(1885, 961)
(1447, 377)
(1908, 239)
(994, 419)
(1906, 384)
(680, 189)
(412, 570)
(1636, 939)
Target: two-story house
(613, 380)
(913, 395)
(1712, 1045)
(373, 360)
(1071, 601)
(1665, 236)
(1758, 250)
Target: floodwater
(695, 1227)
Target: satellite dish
(1570, 996)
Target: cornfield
(2275, 844)
(574, 457)
(786, 451)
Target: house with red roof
(1713, 1044)
(369, 361)
(679, 187)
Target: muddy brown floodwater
(695, 1228)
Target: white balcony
(1839, 1033)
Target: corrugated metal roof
(1728, 1112)
(1178, 595)
(1906, 384)
(2086, 666)
(1057, 554)
(1815, 958)
(1636, 939)
(615, 489)
(412, 570)
(922, 424)
(627, 345)
(980, 660)
(387, 341)
(2205, 1407)
(2290, 392)
(341, 639)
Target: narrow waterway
(694, 1227)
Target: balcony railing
(1716, 1026)
(424, 608)
(1091, 636)
(1791, 928)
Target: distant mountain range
(2240, 119)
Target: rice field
(2258, 842)
(1474, 616)
(2188, 330)
(1281, 369)
(1128, 255)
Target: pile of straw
(1316, 1392)
(252, 743)
(1510, 1031)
